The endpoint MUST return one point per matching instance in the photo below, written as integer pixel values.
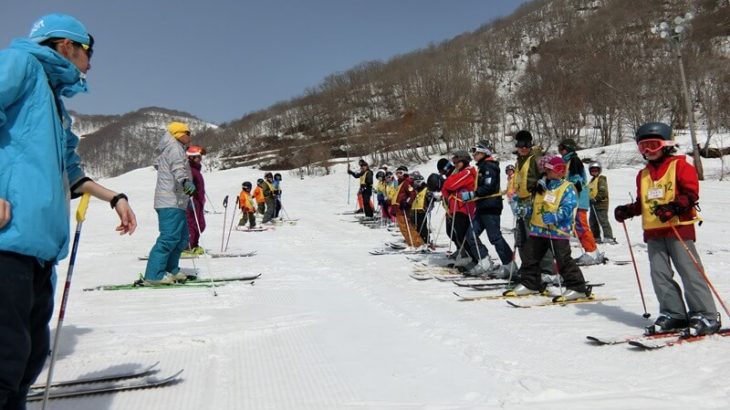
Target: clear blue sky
(221, 59)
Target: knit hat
(178, 129)
(555, 164)
(523, 139)
(568, 144)
(59, 26)
(195, 150)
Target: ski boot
(522, 290)
(700, 325)
(582, 292)
(665, 324)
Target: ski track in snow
(328, 326)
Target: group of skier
(265, 199)
(551, 198)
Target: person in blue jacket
(39, 171)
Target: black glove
(667, 211)
(622, 213)
(540, 186)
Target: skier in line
(577, 175)
(667, 192)
(526, 177)
(445, 169)
(269, 198)
(421, 206)
(258, 194)
(404, 197)
(248, 206)
(195, 157)
(598, 193)
(457, 190)
(366, 186)
(380, 194)
(172, 195)
(39, 151)
(551, 217)
(509, 170)
(488, 199)
(277, 187)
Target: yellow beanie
(178, 129)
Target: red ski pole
(701, 269)
(636, 270)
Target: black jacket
(488, 183)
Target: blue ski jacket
(38, 160)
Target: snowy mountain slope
(328, 326)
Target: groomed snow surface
(329, 326)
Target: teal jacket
(38, 160)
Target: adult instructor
(40, 172)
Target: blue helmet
(653, 130)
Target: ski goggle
(652, 145)
(483, 150)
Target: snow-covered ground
(329, 326)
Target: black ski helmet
(269, 175)
(402, 168)
(509, 167)
(259, 181)
(653, 130)
(246, 185)
(434, 182)
(568, 144)
(277, 176)
(380, 175)
(523, 139)
(362, 163)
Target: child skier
(577, 175)
(551, 217)
(598, 193)
(667, 193)
(248, 206)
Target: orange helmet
(195, 150)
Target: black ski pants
(535, 249)
(367, 192)
(26, 306)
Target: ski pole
(210, 202)
(701, 269)
(557, 267)
(80, 216)
(408, 228)
(233, 218)
(476, 242)
(225, 214)
(205, 251)
(285, 212)
(438, 230)
(636, 270)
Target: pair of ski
(211, 254)
(190, 283)
(377, 252)
(110, 383)
(552, 302)
(255, 229)
(657, 340)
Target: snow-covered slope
(329, 326)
